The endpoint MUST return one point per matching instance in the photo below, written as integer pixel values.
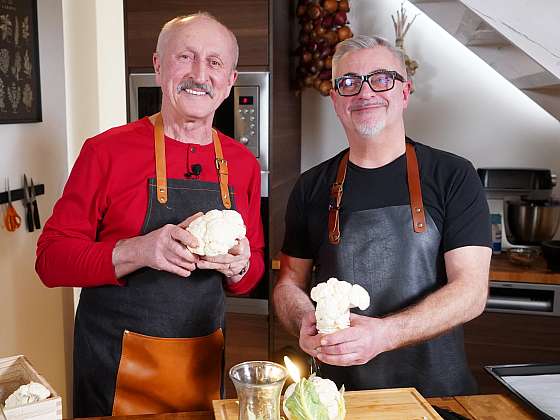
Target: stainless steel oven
(242, 116)
(524, 298)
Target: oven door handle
(518, 304)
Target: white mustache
(364, 104)
(191, 84)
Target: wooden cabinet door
(248, 19)
(500, 338)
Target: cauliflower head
(217, 232)
(27, 394)
(314, 398)
(334, 300)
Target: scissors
(12, 221)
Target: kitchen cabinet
(246, 339)
(497, 338)
(501, 338)
(248, 19)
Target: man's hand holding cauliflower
(215, 240)
(334, 335)
(221, 243)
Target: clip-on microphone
(196, 169)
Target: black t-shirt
(451, 192)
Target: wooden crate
(379, 404)
(16, 371)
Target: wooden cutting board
(379, 404)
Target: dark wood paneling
(248, 19)
(277, 207)
(285, 144)
(285, 133)
(497, 338)
(246, 339)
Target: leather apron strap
(222, 167)
(161, 176)
(159, 147)
(335, 200)
(414, 191)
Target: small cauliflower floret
(301, 402)
(334, 300)
(216, 232)
(27, 394)
(359, 297)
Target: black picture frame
(20, 84)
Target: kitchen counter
(501, 269)
(476, 407)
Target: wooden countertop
(501, 269)
(476, 407)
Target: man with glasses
(407, 222)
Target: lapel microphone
(196, 169)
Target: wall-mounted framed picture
(20, 85)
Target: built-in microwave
(242, 116)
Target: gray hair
(166, 30)
(362, 42)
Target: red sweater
(105, 200)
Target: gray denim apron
(152, 303)
(379, 250)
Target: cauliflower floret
(27, 394)
(217, 232)
(334, 300)
(329, 396)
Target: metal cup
(258, 385)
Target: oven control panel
(247, 118)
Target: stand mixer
(523, 199)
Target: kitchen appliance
(523, 199)
(524, 298)
(551, 253)
(243, 116)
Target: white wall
(95, 72)
(35, 319)
(461, 104)
(95, 69)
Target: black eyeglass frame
(365, 78)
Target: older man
(407, 222)
(148, 335)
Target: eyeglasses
(378, 81)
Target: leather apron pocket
(162, 375)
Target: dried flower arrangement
(401, 29)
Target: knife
(36, 218)
(27, 205)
